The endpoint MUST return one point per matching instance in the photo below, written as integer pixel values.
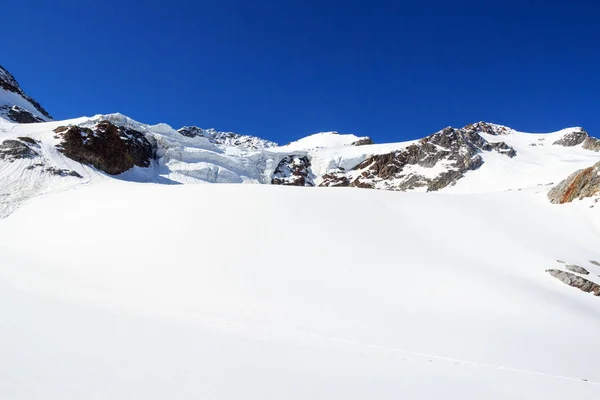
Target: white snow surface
(144, 286)
(124, 290)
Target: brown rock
(107, 147)
(575, 281)
(582, 183)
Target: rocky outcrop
(9, 83)
(490, 129)
(591, 143)
(293, 170)
(109, 148)
(451, 151)
(580, 184)
(362, 142)
(572, 139)
(11, 150)
(575, 281)
(577, 268)
(19, 115)
(335, 179)
(26, 148)
(579, 137)
(227, 138)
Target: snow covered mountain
(42, 157)
(17, 106)
(472, 273)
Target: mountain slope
(123, 275)
(478, 158)
(15, 104)
(254, 291)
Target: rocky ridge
(433, 163)
(578, 137)
(14, 112)
(227, 138)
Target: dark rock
(27, 140)
(63, 172)
(15, 149)
(575, 281)
(578, 137)
(293, 170)
(595, 263)
(9, 83)
(335, 180)
(19, 115)
(577, 268)
(458, 149)
(109, 148)
(582, 183)
(362, 142)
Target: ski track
(244, 327)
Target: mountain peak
(489, 128)
(15, 104)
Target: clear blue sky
(393, 70)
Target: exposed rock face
(580, 184)
(26, 148)
(9, 83)
(227, 138)
(571, 139)
(577, 268)
(578, 137)
(591, 143)
(490, 129)
(575, 281)
(293, 170)
(19, 115)
(452, 151)
(11, 150)
(109, 148)
(595, 262)
(335, 179)
(362, 142)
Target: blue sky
(393, 70)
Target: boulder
(110, 148)
(575, 281)
(577, 269)
(580, 184)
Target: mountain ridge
(452, 159)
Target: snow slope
(11, 95)
(185, 159)
(125, 290)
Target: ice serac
(580, 184)
(433, 163)
(227, 138)
(16, 105)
